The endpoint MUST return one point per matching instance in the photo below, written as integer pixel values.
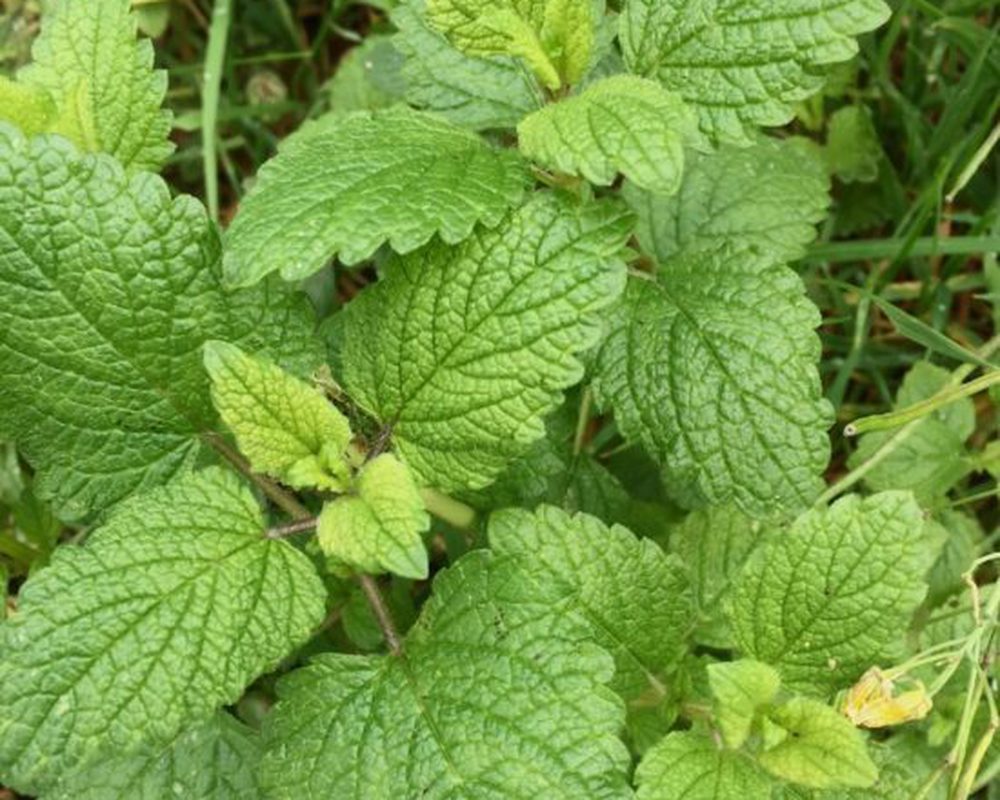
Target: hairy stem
(284, 500)
(305, 521)
(374, 595)
(290, 529)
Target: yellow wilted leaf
(872, 703)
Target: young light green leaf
(741, 66)
(213, 760)
(620, 124)
(87, 53)
(740, 689)
(377, 527)
(554, 37)
(636, 597)
(30, 108)
(714, 544)
(853, 150)
(689, 766)
(768, 196)
(477, 93)
(498, 694)
(712, 367)
(285, 427)
(344, 185)
(169, 611)
(116, 398)
(933, 458)
(420, 347)
(824, 600)
(822, 748)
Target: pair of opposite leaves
(290, 431)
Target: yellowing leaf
(873, 702)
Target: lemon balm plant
(578, 212)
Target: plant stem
(371, 590)
(305, 521)
(875, 249)
(581, 421)
(918, 411)
(215, 55)
(454, 512)
(284, 500)
(900, 436)
(291, 528)
(856, 474)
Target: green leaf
(115, 397)
(153, 17)
(285, 427)
(421, 352)
(344, 185)
(905, 765)
(743, 66)
(11, 478)
(962, 537)
(169, 611)
(213, 760)
(825, 599)
(768, 196)
(689, 766)
(740, 690)
(933, 458)
(620, 124)
(497, 695)
(87, 53)
(712, 367)
(822, 748)
(555, 37)
(714, 544)
(377, 527)
(368, 77)
(636, 597)
(549, 472)
(853, 150)
(30, 108)
(477, 93)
